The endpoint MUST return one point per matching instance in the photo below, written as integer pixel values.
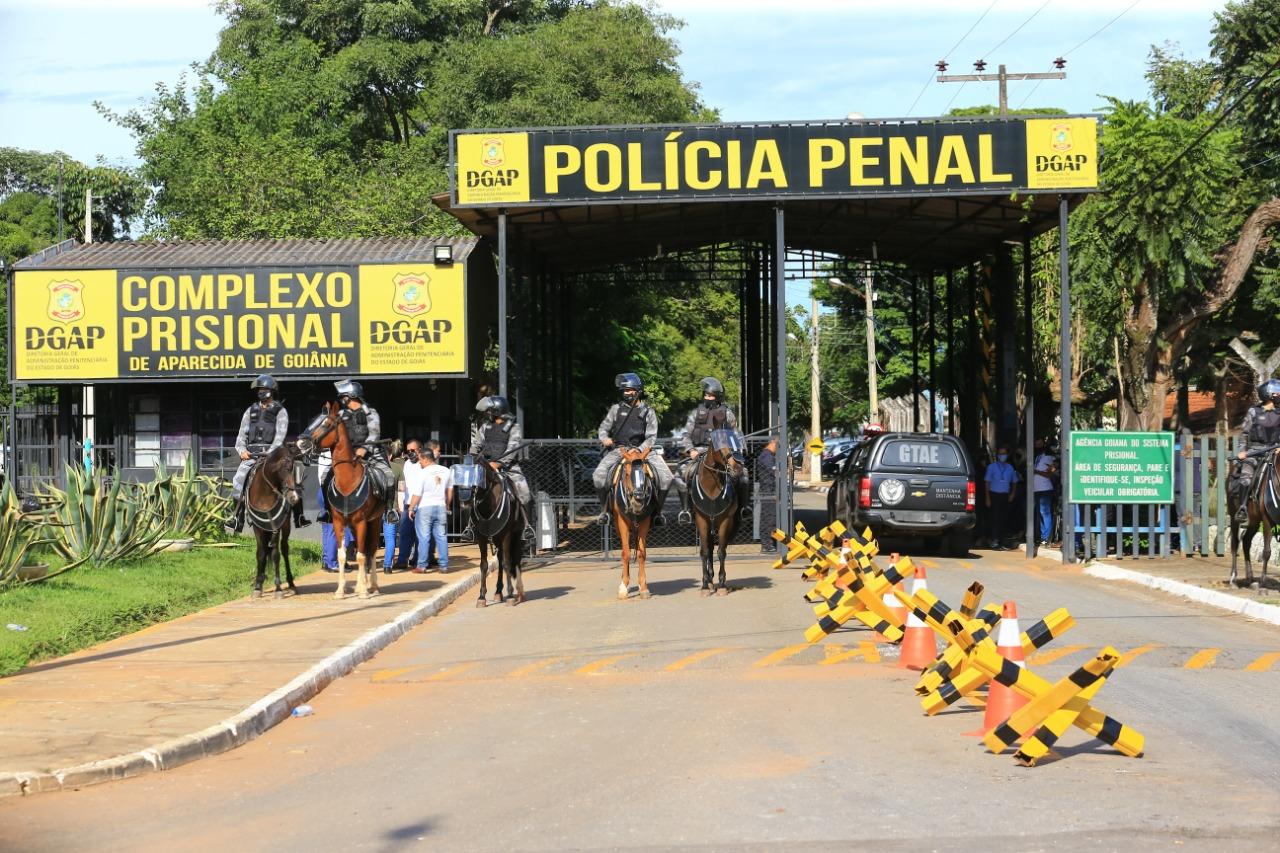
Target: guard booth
(934, 205)
(153, 345)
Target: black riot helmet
(631, 386)
(493, 407)
(1270, 391)
(265, 382)
(712, 386)
(349, 389)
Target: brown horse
(633, 506)
(713, 494)
(1263, 509)
(270, 493)
(354, 500)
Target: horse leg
(1266, 551)
(722, 543)
(515, 583)
(288, 571)
(1235, 545)
(370, 558)
(624, 534)
(340, 533)
(261, 574)
(483, 600)
(704, 551)
(1250, 529)
(642, 551)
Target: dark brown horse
(713, 494)
(633, 506)
(1263, 509)
(270, 494)
(498, 521)
(354, 500)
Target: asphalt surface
(578, 721)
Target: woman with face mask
(1002, 490)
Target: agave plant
(191, 504)
(21, 534)
(101, 521)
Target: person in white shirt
(1045, 467)
(429, 498)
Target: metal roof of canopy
(922, 231)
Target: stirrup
(660, 519)
(684, 517)
(1242, 514)
(392, 516)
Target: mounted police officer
(1261, 430)
(364, 431)
(498, 436)
(262, 429)
(710, 415)
(630, 423)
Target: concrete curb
(1223, 601)
(244, 726)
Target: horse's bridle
(274, 520)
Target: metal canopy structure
(572, 199)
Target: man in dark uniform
(364, 431)
(262, 429)
(710, 415)
(766, 488)
(630, 423)
(1261, 429)
(498, 436)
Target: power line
(1018, 29)
(1095, 34)
(947, 55)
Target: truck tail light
(970, 496)
(864, 493)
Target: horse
(497, 520)
(633, 506)
(1263, 510)
(270, 493)
(715, 501)
(353, 499)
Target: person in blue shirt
(1002, 490)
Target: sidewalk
(203, 683)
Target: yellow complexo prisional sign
(620, 164)
(384, 319)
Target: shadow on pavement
(672, 587)
(548, 592)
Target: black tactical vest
(357, 422)
(704, 422)
(629, 425)
(496, 437)
(1266, 427)
(262, 423)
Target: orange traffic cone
(1003, 701)
(919, 646)
(895, 607)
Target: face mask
(264, 394)
(1003, 457)
(412, 455)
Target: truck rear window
(903, 453)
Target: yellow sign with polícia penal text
(92, 325)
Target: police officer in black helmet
(498, 436)
(710, 415)
(1261, 429)
(262, 429)
(630, 423)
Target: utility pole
(873, 384)
(88, 215)
(1001, 76)
(815, 397)
(60, 218)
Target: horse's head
(637, 485)
(725, 451)
(322, 433)
(278, 467)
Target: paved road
(579, 721)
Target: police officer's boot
(530, 533)
(234, 522)
(602, 494)
(745, 508)
(660, 518)
(1243, 487)
(300, 519)
(685, 516)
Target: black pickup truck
(909, 484)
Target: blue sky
(754, 60)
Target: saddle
(711, 507)
(271, 519)
(373, 476)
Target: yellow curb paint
(531, 668)
(451, 671)
(781, 655)
(596, 666)
(966, 564)
(1133, 654)
(1055, 654)
(696, 657)
(866, 650)
(1264, 663)
(1202, 658)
